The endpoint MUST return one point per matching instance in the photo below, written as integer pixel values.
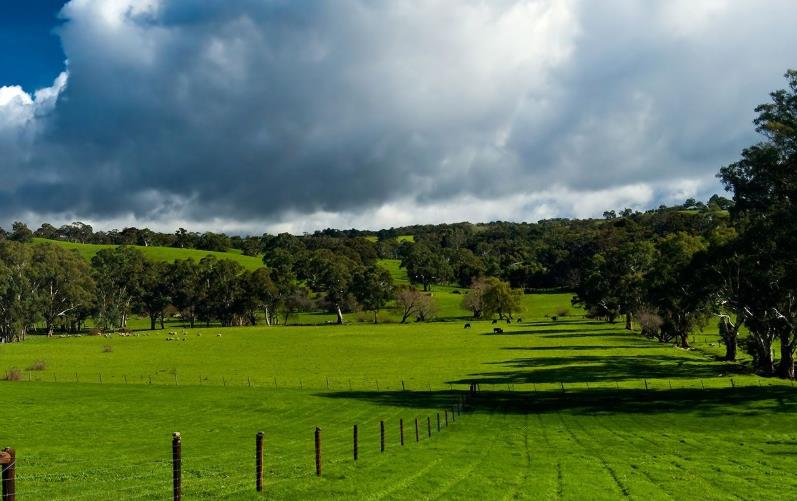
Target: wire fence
(223, 473)
(522, 381)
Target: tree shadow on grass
(709, 402)
(598, 368)
(596, 347)
(543, 332)
(570, 321)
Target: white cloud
(252, 114)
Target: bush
(650, 323)
(14, 374)
(562, 311)
(38, 365)
(95, 332)
(107, 348)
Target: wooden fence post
(259, 461)
(318, 451)
(453, 415)
(8, 464)
(429, 426)
(401, 430)
(438, 421)
(177, 466)
(381, 436)
(417, 436)
(446, 414)
(355, 442)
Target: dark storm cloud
(262, 111)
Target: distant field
(167, 254)
(400, 238)
(573, 409)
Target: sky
(275, 115)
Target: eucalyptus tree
(764, 186)
(373, 288)
(118, 274)
(64, 285)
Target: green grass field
(167, 254)
(573, 409)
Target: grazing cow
(467, 326)
(519, 320)
(495, 322)
(553, 318)
(498, 330)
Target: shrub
(95, 332)
(38, 365)
(107, 348)
(562, 311)
(14, 374)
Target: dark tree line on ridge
(670, 270)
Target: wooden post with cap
(8, 463)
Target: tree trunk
(268, 320)
(786, 365)
(163, 326)
(766, 363)
(684, 340)
(339, 313)
(375, 313)
(628, 321)
(152, 320)
(730, 349)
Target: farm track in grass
(604, 437)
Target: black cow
(498, 330)
(467, 326)
(519, 320)
(495, 322)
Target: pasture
(573, 409)
(165, 254)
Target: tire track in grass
(628, 437)
(410, 479)
(655, 483)
(699, 449)
(560, 490)
(560, 487)
(452, 481)
(612, 473)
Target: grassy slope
(168, 254)
(604, 438)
